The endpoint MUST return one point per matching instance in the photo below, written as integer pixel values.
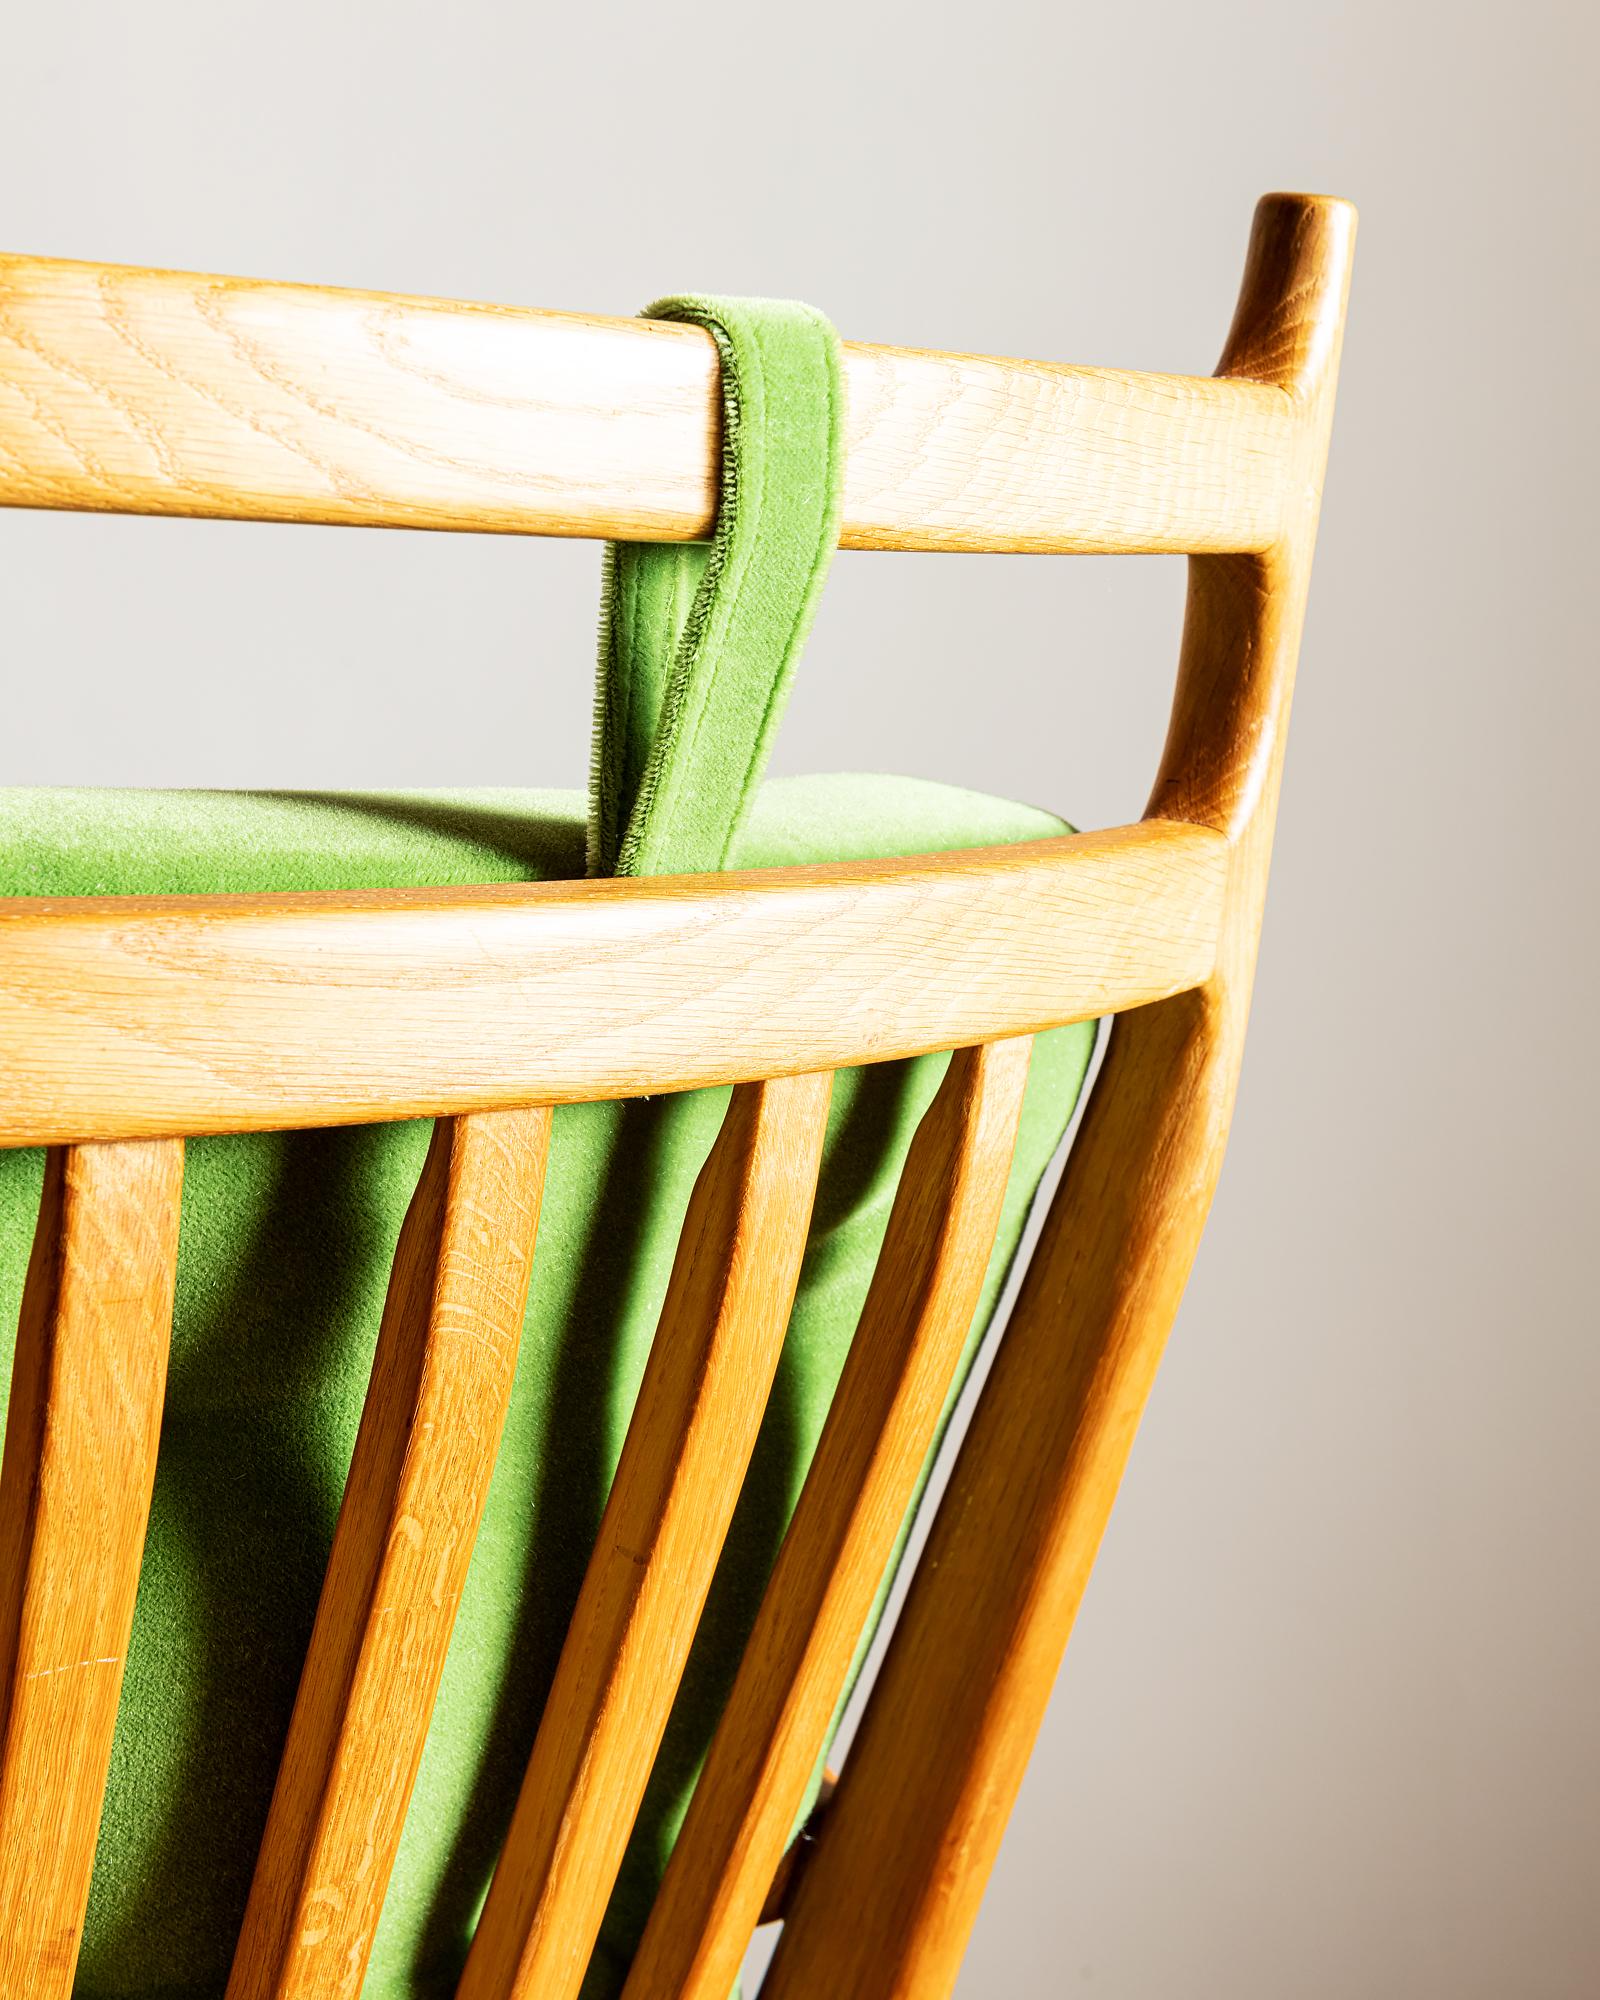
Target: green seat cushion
(284, 1255)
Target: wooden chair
(126, 1023)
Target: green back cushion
(284, 1255)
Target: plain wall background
(1329, 1722)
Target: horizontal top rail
(128, 1016)
(161, 392)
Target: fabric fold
(699, 640)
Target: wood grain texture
(80, 1456)
(880, 1428)
(132, 1019)
(887, 1900)
(694, 1426)
(430, 1430)
(162, 392)
(126, 1016)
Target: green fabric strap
(698, 641)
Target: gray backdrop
(1329, 1723)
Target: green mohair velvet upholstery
(287, 1240)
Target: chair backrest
(127, 1023)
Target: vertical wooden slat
(419, 1477)
(689, 1443)
(885, 1905)
(885, 1411)
(892, 1882)
(80, 1457)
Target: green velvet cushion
(285, 1250)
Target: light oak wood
(162, 392)
(887, 1900)
(879, 1430)
(694, 1426)
(441, 1384)
(80, 1456)
(136, 1015)
(138, 1020)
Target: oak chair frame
(127, 1023)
